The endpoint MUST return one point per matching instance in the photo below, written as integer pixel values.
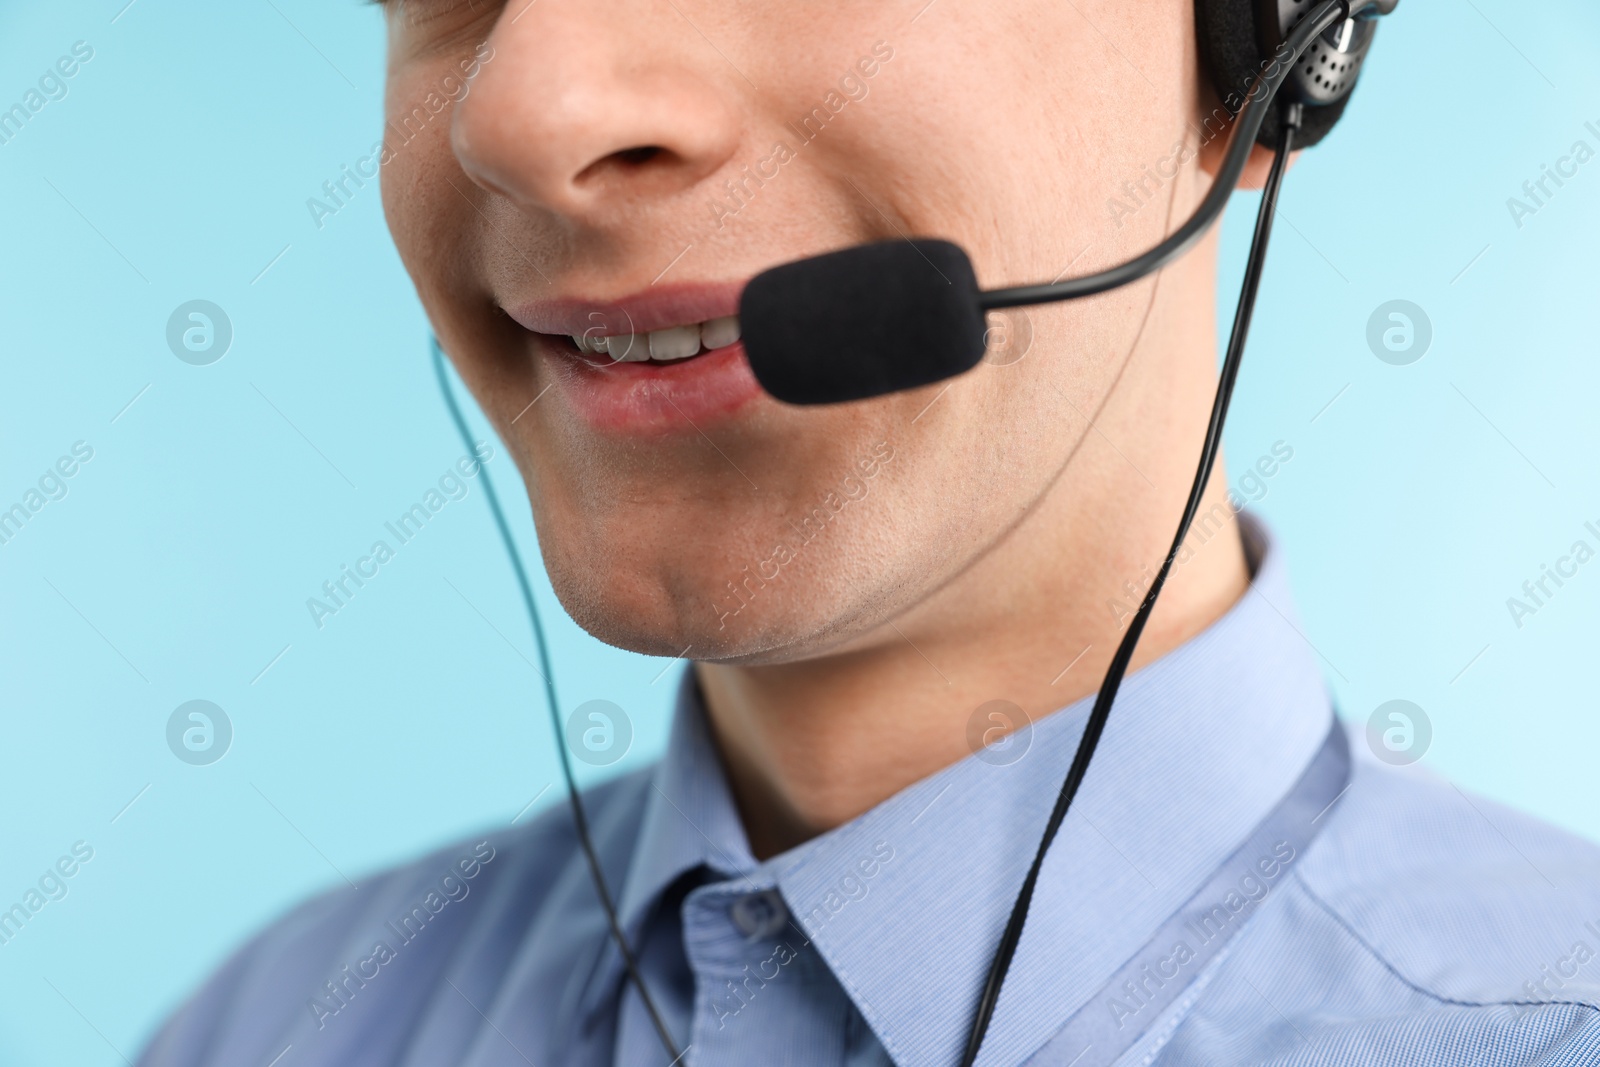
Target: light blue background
(179, 564)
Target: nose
(588, 106)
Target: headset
(895, 315)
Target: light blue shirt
(1418, 926)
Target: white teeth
(676, 342)
(628, 347)
(720, 333)
(672, 343)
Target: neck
(1035, 620)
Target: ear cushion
(1232, 49)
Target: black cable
(579, 820)
(1246, 127)
(1119, 663)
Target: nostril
(627, 161)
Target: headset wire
(580, 820)
(1096, 723)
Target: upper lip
(656, 308)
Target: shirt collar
(689, 815)
(906, 902)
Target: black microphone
(862, 322)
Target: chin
(685, 617)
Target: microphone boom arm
(1246, 127)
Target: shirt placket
(762, 993)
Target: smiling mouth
(670, 344)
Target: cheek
(1063, 120)
(431, 222)
(418, 217)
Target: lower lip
(646, 397)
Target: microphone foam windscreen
(866, 321)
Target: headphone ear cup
(1236, 37)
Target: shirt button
(759, 915)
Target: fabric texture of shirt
(1420, 926)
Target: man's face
(622, 166)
